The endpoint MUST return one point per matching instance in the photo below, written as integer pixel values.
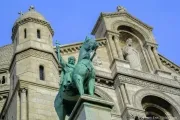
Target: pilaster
(23, 104)
(157, 58)
(112, 45)
(118, 47)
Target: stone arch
(168, 115)
(105, 96)
(137, 98)
(131, 25)
(140, 36)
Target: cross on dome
(31, 8)
(20, 13)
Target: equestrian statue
(75, 80)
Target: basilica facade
(130, 73)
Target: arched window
(41, 72)
(25, 33)
(38, 33)
(3, 80)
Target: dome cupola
(31, 30)
(32, 13)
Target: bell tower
(34, 71)
(31, 30)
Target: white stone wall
(12, 112)
(28, 69)
(41, 103)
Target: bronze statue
(76, 79)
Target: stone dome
(32, 13)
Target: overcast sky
(72, 20)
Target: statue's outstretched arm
(60, 59)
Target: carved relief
(132, 55)
(149, 85)
(97, 61)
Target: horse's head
(90, 44)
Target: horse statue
(76, 80)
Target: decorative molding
(104, 82)
(119, 14)
(23, 90)
(151, 85)
(170, 64)
(30, 19)
(97, 61)
(37, 54)
(132, 113)
(5, 65)
(128, 16)
(147, 77)
(140, 94)
(75, 47)
(146, 44)
(4, 88)
(105, 96)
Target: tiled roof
(6, 53)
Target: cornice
(145, 76)
(25, 84)
(111, 32)
(30, 19)
(75, 47)
(148, 84)
(150, 44)
(33, 52)
(115, 14)
(97, 24)
(169, 64)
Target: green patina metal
(76, 80)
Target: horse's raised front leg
(79, 83)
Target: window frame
(41, 72)
(25, 33)
(38, 33)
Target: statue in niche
(132, 55)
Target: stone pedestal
(163, 73)
(91, 108)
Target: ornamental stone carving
(97, 61)
(132, 55)
(150, 85)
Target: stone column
(23, 104)
(124, 95)
(157, 58)
(118, 48)
(112, 46)
(152, 57)
(8, 77)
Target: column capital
(23, 90)
(147, 44)
(111, 32)
(154, 47)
